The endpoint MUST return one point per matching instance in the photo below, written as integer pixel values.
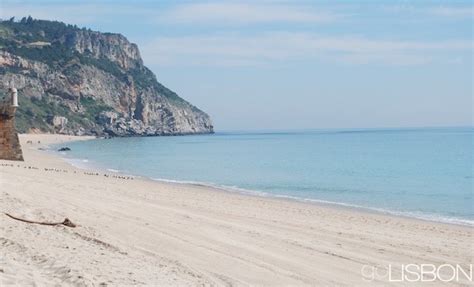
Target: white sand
(149, 233)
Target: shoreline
(153, 233)
(435, 218)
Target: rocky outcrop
(84, 82)
(59, 123)
(114, 47)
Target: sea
(426, 173)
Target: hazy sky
(296, 64)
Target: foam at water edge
(78, 162)
(213, 185)
(85, 164)
(416, 215)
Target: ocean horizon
(176, 143)
(423, 173)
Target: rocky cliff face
(77, 81)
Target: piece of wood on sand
(65, 222)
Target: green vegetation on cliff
(51, 59)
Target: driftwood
(66, 221)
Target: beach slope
(137, 231)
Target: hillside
(76, 81)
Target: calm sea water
(424, 173)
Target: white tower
(14, 97)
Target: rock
(95, 84)
(107, 117)
(64, 149)
(59, 121)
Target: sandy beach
(141, 232)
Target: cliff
(82, 82)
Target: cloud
(245, 13)
(255, 46)
(80, 13)
(75, 14)
(453, 12)
(214, 13)
(238, 49)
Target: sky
(257, 65)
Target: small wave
(179, 181)
(86, 164)
(78, 162)
(408, 214)
(213, 185)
